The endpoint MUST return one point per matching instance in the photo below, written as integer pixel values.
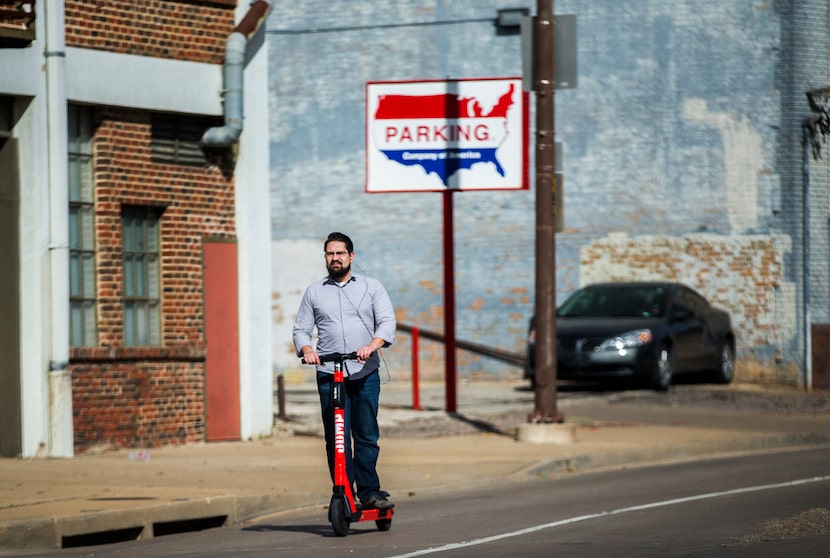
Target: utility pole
(544, 84)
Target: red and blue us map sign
(439, 135)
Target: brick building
(682, 159)
(134, 209)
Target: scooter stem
(342, 484)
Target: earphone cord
(371, 332)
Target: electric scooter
(342, 509)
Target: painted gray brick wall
(802, 66)
(686, 120)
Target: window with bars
(142, 301)
(83, 327)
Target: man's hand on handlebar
(311, 357)
(363, 353)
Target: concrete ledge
(51, 532)
(28, 535)
(554, 433)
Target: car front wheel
(663, 369)
(725, 372)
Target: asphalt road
(759, 505)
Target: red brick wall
(182, 30)
(138, 404)
(148, 396)
(198, 202)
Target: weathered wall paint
(685, 124)
(741, 274)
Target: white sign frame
(439, 135)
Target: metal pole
(416, 373)
(543, 46)
(61, 433)
(449, 304)
(281, 398)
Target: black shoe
(379, 501)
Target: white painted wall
(253, 221)
(34, 276)
(143, 82)
(295, 265)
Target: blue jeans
(362, 432)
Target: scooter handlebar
(335, 357)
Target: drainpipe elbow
(233, 88)
(228, 134)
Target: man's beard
(338, 274)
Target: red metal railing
(505, 356)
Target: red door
(222, 339)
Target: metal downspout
(233, 80)
(61, 443)
(805, 264)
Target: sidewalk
(121, 495)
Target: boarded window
(176, 139)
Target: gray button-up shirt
(347, 317)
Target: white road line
(579, 518)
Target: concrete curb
(586, 463)
(144, 522)
(546, 433)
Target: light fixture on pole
(509, 20)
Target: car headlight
(627, 340)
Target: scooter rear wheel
(340, 520)
(383, 524)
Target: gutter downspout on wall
(227, 135)
(805, 263)
(61, 432)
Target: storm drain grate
(160, 529)
(101, 537)
(188, 525)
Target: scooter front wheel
(340, 520)
(383, 524)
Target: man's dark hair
(339, 237)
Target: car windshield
(642, 301)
